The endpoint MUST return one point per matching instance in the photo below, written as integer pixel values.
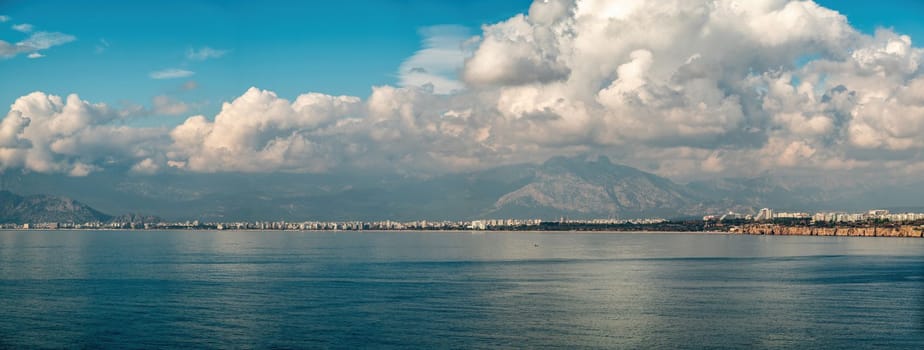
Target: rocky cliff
(884, 231)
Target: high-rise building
(764, 214)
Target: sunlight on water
(428, 290)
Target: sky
(334, 47)
(686, 89)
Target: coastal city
(767, 214)
(710, 222)
(386, 225)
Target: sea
(457, 290)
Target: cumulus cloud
(49, 134)
(204, 53)
(703, 76)
(34, 43)
(678, 87)
(35, 55)
(509, 54)
(171, 73)
(259, 131)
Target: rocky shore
(873, 231)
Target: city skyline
(765, 215)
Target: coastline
(901, 231)
(898, 231)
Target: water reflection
(297, 289)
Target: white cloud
(438, 63)
(165, 105)
(35, 55)
(146, 167)
(34, 43)
(709, 75)
(204, 53)
(50, 134)
(44, 40)
(259, 132)
(510, 54)
(171, 73)
(4, 19)
(24, 27)
(679, 87)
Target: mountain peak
(584, 187)
(44, 208)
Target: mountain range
(576, 187)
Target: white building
(764, 214)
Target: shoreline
(903, 231)
(898, 231)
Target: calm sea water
(457, 290)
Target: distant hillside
(42, 208)
(598, 188)
(574, 187)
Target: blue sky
(903, 15)
(336, 47)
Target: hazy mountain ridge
(44, 208)
(598, 188)
(561, 186)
